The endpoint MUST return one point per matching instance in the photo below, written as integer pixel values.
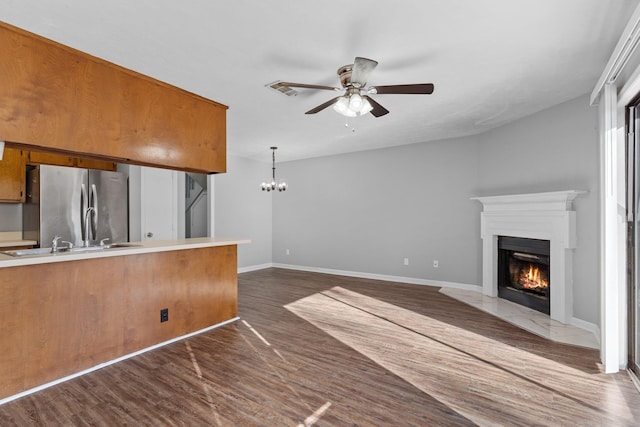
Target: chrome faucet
(54, 244)
(85, 225)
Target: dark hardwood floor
(316, 349)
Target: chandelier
(272, 184)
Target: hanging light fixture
(272, 184)
(352, 104)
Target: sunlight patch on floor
(315, 417)
(470, 373)
(276, 368)
(205, 386)
(256, 333)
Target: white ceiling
(492, 61)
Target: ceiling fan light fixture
(355, 102)
(352, 105)
(342, 107)
(366, 107)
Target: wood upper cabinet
(13, 169)
(12, 176)
(82, 162)
(55, 98)
(42, 158)
(39, 158)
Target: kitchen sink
(81, 249)
(121, 245)
(28, 252)
(75, 249)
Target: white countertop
(140, 248)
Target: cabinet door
(96, 164)
(12, 176)
(39, 158)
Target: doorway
(196, 205)
(633, 233)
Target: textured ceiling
(492, 61)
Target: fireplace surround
(544, 216)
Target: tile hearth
(525, 318)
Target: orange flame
(531, 278)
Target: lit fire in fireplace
(530, 278)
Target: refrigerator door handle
(83, 210)
(94, 216)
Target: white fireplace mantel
(547, 216)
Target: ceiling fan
(355, 101)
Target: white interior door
(158, 207)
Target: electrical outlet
(406, 261)
(435, 263)
(287, 251)
(164, 315)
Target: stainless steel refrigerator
(82, 206)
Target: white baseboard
(254, 267)
(111, 362)
(588, 326)
(387, 278)
(634, 379)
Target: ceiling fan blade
(323, 106)
(306, 86)
(377, 110)
(417, 89)
(362, 67)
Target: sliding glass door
(633, 232)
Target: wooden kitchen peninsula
(63, 314)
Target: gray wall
(367, 211)
(243, 210)
(10, 217)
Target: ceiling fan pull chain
(346, 124)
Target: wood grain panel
(41, 158)
(59, 98)
(62, 318)
(49, 158)
(105, 165)
(12, 176)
